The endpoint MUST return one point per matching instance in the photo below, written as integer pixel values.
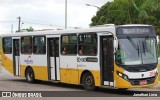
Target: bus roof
(133, 25)
(108, 28)
(59, 32)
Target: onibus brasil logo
(29, 60)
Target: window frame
(33, 45)
(4, 45)
(78, 48)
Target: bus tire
(88, 82)
(30, 75)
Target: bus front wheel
(88, 82)
(30, 75)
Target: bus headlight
(122, 75)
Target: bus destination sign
(135, 30)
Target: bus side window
(75, 49)
(39, 43)
(26, 45)
(93, 51)
(30, 49)
(7, 45)
(69, 44)
(87, 44)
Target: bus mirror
(116, 44)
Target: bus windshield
(135, 51)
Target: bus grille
(137, 81)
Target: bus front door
(16, 65)
(107, 61)
(53, 58)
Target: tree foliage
(129, 12)
(30, 29)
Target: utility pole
(19, 24)
(65, 14)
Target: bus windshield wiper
(138, 49)
(133, 43)
(144, 47)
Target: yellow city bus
(118, 56)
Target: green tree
(129, 12)
(30, 29)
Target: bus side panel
(73, 76)
(22, 70)
(63, 75)
(37, 62)
(40, 72)
(7, 62)
(68, 69)
(96, 75)
(92, 67)
(69, 75)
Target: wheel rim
(30, 75)
(89, 80)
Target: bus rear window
(7, 45)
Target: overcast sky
(46, 14)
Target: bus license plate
(143, 82)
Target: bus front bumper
(121, 83)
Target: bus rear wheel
(30, 75)
(88, 82)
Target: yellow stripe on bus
(73, 76)
(7, 63)
(40, 72)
